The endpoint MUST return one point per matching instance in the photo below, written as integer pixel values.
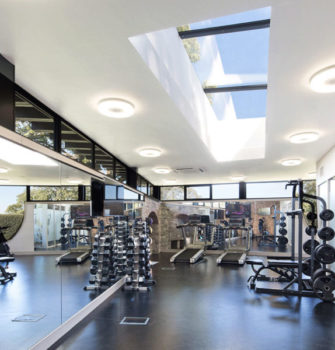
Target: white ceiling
(70, 55)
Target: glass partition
(120, 172)
(33, 123)
(195, 192)
(75, 146)
(225, 191)
(268, 190)
(104, 163)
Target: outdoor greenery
(191, 45)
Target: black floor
(40, 287)
(205, 306)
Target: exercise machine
(194, 235)
(5, 258)
(236, 254)
(302, 277)
(82, 231)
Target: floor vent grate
(135, 321)
(29, 318)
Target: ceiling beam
(232, 28)
(213, 90)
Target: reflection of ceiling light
(304, 137)
(238, 178)
(162, 170)
(323, 81)
(16, 154)
(290, 162)
(74, 181)
(4, 181)
(116, 108)
(170, 182)
(150, 152)
(3, 170)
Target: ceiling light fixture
(4, 181)
(162, 170)
(304, 137)
(3, 170)
(74, 181)
(238, 178)
(323, 81)
(290, 162)
(116, 108)
(19, 155)
(150, 152)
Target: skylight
(230, 57)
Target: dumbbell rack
(100, 259)
(118, 256)
(139, 275)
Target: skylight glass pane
(239, 104)
(230, 59)
(249, 16)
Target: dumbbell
(91, 280)
(93, 270)
(63, 240)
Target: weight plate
(327, 215)
(311, 216)
(282, 224)
(325, 254)
(324, 287)
(307, 246)
(282, 240)
(311, 230)
(321, 272)
(283, 218)
(283, 231)
(326, 233)
(306, 266)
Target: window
(142, 185)
(12, 199)
(33, 123)
(195, 192)
(173, 193)
(124, 193)
(120, 172)
(75, 146)
(268, 190)
(110, 192)
(88, 193)
(54, 193)
(104, 163)
(150, 189)
(226, 191)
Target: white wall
(23, 241)
(326, 166)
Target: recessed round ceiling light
(304, 137)
(116, 108)
(162, 170)
(4, 181)
(150, 152)
(74, 181)
(3, 170)
(323, 81)
(290, 162)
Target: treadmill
(81, 253)
(195, 244)
(234, 254)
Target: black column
(7, 72)
(243, 190)
(132, 177)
